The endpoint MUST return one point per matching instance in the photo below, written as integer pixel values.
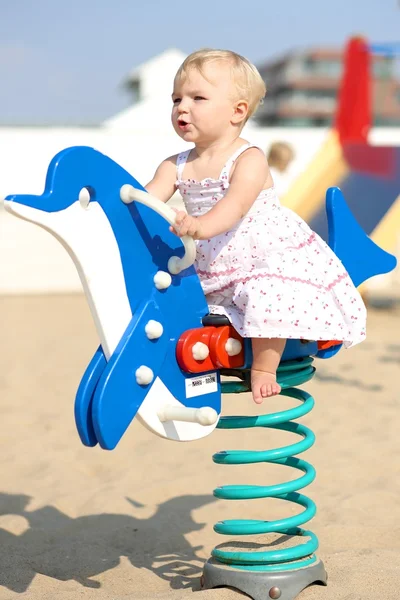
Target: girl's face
(204, 108)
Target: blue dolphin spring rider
(161, 355)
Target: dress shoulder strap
(181, 162)
(228, 165)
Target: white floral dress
(271, 274)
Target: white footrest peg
(202, 416)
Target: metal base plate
(279, 585)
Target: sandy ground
(137, 522)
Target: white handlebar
(129, 194)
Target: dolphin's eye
(84, 197)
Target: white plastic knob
(144, 375)
(206, 416)
(153, 329)
(162, 280)
(233, 347)
(200, 351)
(84, 198)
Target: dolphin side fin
(84, 398)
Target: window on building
(386, 122)
(383, 68)
(305, 98)
(322, 121)
(296, 122)
(322, 67)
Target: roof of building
(170, 55)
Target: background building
(302, 89)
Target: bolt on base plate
(271, 585)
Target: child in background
(257, 261)
(279, 157)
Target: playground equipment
(369, 176)
(161, 354)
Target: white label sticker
(197, 386)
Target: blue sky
(63, 62)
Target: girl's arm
(248, 179)
(162, 186)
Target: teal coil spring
(290, 374)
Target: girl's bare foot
(263, 385)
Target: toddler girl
(258, 262)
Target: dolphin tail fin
(361, 257)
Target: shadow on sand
(64, 548)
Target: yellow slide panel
(328, 168)
(387, 233)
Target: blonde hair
(280, 154)
(248, 81)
